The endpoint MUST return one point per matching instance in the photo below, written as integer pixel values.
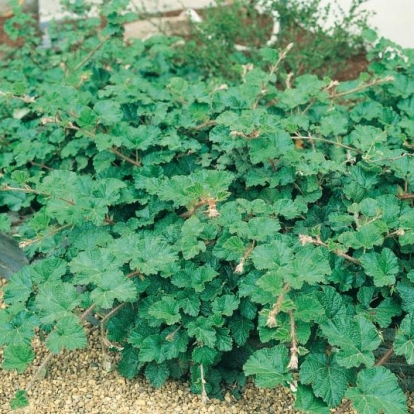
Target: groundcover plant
(261, 227)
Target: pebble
(74, 385)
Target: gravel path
(77, 383)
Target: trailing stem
(204, 397)
(240, 267)
(318, 242)
(294, 350)
(271, 319)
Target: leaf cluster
(216, 230)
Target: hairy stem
(91, 53)
(327, 141)
(204, 397)
(39, 370)
(294, 350)
(271, 319)
(364, 86)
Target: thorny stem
(87, 312)
(204, 397)
(45, 167)
(406, 196)
(204, 125)
(91, 53)
(112, 313)
(124, 157)
(192, 210)
(39, 370)
(406, 154)
(318, 242)
(133, 274)
(170, 336)
(113, 149)
(282, 56)
(25, 189)
(271, 319)
(384, 358)
(364, 86)
(240, 267)
(338, 144)
(26, 243)
(24, 98)
(294, 350)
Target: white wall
(394, 19)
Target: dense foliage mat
(216, 229)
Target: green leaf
(225, 305)
(86, 118)
(109, 112)
(224, 340)
(269, 366)
(202, 329)
(17, 329)
(130, 364)
(17, 357)
(377, 390)
(366, 237)
(327, 378)
(273, 281)
(113, 286)
(192, 227)
(365, 137)
(91, 265)
(191, 247)
(19, 400)
(273, 255)
(308, 308)
(263, 228)
(332, 302)
(68, 334)
(229, 248)
(56, 302)
(288, 208)
(194, 277)
(406, 292)
(152, 254)
(49, 270)
(162, 347)
(157, 374)
(19, 287)
(189, 303)
(141, 137)
(385, 312)
(356, 337)
(382, 313)
(383, 267)
(307, 402)
(404, 339)
(240, 328)
(204, 355)
(167, 309)
(311, 265)
(270, 146)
